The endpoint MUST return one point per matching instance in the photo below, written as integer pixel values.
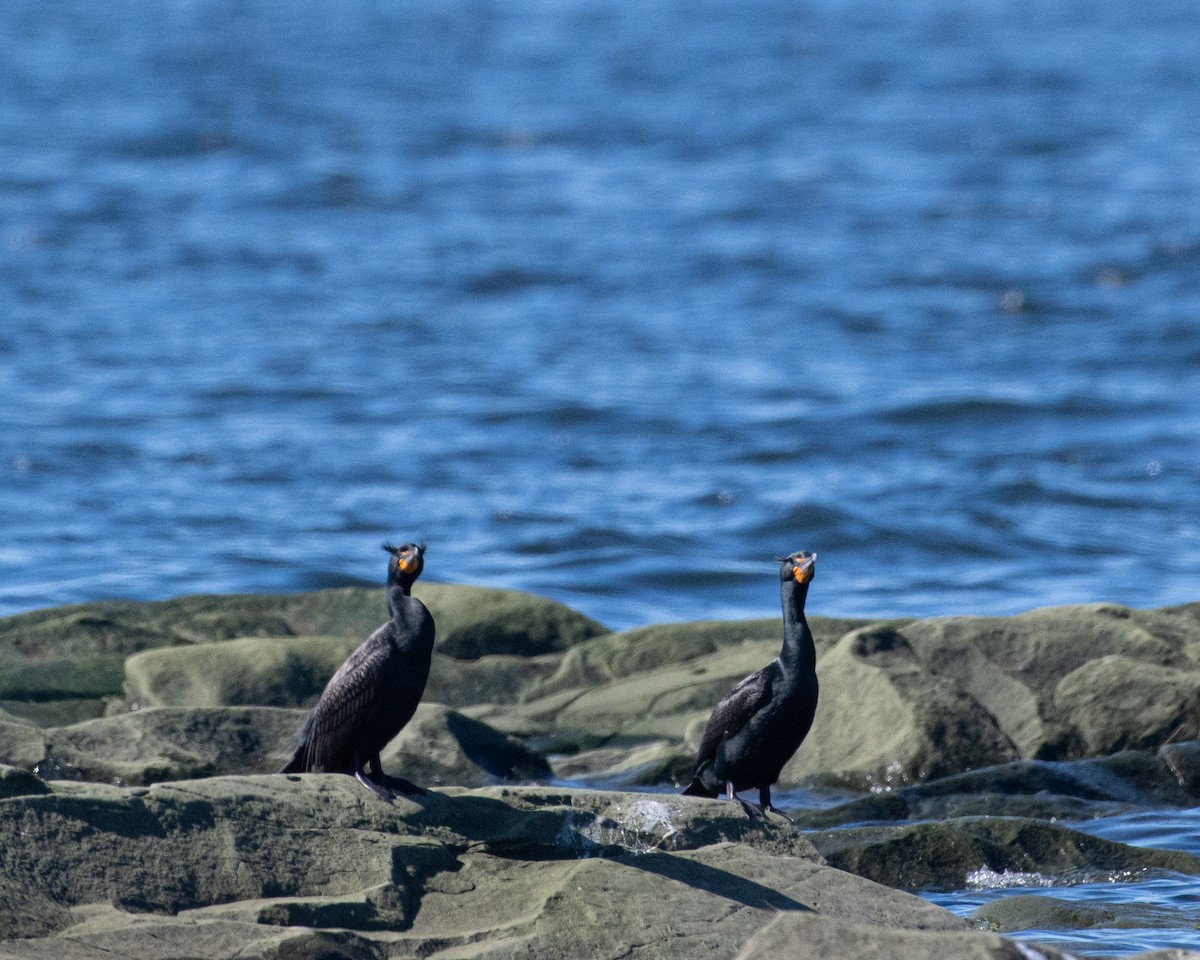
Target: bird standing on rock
(376, 691)
(755, 730)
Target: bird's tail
(299, 761)
(697, 789)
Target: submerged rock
(1026, 911)
(941, 856)
(1069, 790)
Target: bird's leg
(764, 798)
(751, 810)
(395, 783)
(361, 775)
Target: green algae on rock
(1065, 790)
(233, 867)
(1027, 911)
(940, 856)
(946, 694)
(175, 743)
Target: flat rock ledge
(314, 866)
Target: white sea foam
(985, 878)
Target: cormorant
(755, 730)
(376, 691)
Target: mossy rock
(1116, 702)
(940, 856)
(473, 622)
(292, 672)
(492, 679)
(647, 764)
(665, 645)
(253, 671)
(128, 626)
(151, 746)
(17, 782)
(1027, 911)
(1013, 667)
(470, 868)
(92, 675)
(884, 719)
(439, 746)
(1039, 789)
(442, 747)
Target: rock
(442, 746)
(795, 935)
(81, 650)
(645, 684)
(1025, 911)
(637, 651)
(126, 626)
(1116, 702)
(945, 719)
(15, 782)
(1069, 790)
(918, 726)
(84, 676)
(653, 763)
(1012, 666)
(946, 694)
(253, 671)
(22, 744)
(170, 743)
(149, 746)
(473, 622)
(940, 856)
(316, 866)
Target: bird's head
(407, 562)
(800, 566)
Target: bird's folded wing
(734, 712)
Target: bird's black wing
(347, 702)
(733, 713)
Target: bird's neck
(396, 594)
(799, 650)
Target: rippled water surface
(1168, 904)
(611, 301)
(608, 300)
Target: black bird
(376, 691)
(755, 730)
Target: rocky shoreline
(137, 805)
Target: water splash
(644, 826)
(985, 878)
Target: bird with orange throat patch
(376, 691)
(755, 730)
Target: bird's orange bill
(803, 572)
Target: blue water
(607, 300)
(1169, 902)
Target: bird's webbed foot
(400, 785)
(381, 791)
(395, 784)
(764, 799)
(751, 810)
